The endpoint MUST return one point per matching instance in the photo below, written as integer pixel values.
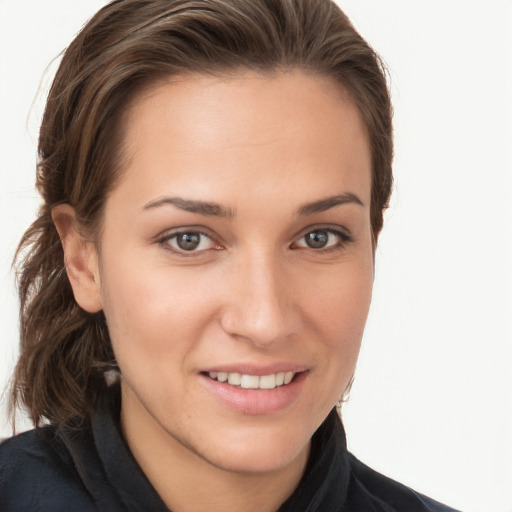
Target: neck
(187, 481)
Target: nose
(261, 305)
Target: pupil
(317, 239)
(188, 241)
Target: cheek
(339, 316)
(138, 302)
(341, 305)
(154, 312)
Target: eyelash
(344, 239)
(164, 241)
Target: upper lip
(259, 370)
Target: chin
(257, 450)
(259, 460)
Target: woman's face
(236, 253)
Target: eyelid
(344, 234)
(163, 240)
(345, 237)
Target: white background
(432, 402)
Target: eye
(324, 239)
(188, 242)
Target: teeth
(235, 379)
(288, 376)
(254, 381)
(267, 382)
(250, 382)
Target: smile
(246, 381)
(257, 392)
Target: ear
(80, 259)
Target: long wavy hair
(130, 45)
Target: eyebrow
(217, 210)
(329, 202)
(188, 205)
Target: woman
(195, 288)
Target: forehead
(286, 126)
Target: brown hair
(126, 46)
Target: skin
(254, 293)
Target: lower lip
(256, 401)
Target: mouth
(247, 381)
(257, 391)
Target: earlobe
(80, 259)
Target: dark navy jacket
(93, 470)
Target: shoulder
(370, 490)
(37, 473)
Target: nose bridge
(261, 308)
